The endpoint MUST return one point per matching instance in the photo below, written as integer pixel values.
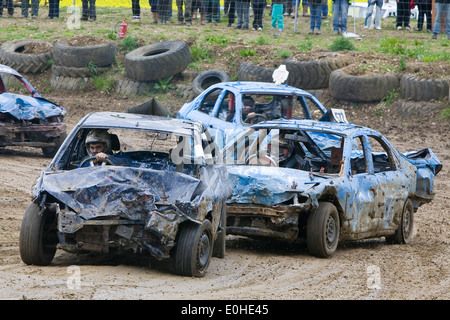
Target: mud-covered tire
(207, 78)
(417, 89)
(101, 55)
(404, 233)
(157, 61)
(248, 72)
(194, 249)
(361, 88)
(322, 230)
(309, 75)
(10, 55)
(38, 237)
(76, 72)
(68, 83)
(130, 87)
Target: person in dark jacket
(9, 7)
(440, 6)
(258, 7)
(88, 10)
(403, 14)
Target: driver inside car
(99, 145)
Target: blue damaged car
(160, 193)
(228, 108)
(324, 182)
(28, 120)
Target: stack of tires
(12, 54)
(146, 65)
(74, 66)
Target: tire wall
(423, 89)
(25, 63)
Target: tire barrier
(207, 78)
(12, 56)
(417, 89)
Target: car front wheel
(38, 237)
(322, 232)
(194, 249)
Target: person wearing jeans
(340, 15)
(9, 7)
(34, 8)
(440, 6)
(243, 14)
(315, 8)
(376, 21)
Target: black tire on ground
(194, 249)
(10, 55)
(423, 89)
(361, 88)
(309, 75)
(49, 152)
(404, 233)
(322, 230)
(207, 78)
(68, 83)
(76, 72)
(38, 238)
(130, 87)
(248, 72)
(101, 55)
(220, 242)
(157, 61)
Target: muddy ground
(252, 269)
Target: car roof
(140, 121)
(346, 129)
(265, 87)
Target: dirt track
(251, 269)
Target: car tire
(38, 237)
(309, 75)
(68, 83)
(76, 72)
(207, 78)
(194, 249)
(361, 88)
(322, 230)
(404, 233)
(417, 89)
(157, 61)
(10, 55)
(49, 152)
(101, 55)
(132, 88)
(248, 72)
(220, 242)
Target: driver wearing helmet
(98, 144)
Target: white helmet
(98, 136)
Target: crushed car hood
(118, 191)
(28, 108)
(268, 185)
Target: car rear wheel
(403, 234)
(194, 249)
(38, 237)
(322, 232)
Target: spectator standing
(243, 14)
(287, 7)
(277, 15)
(53, 9)
(9, 8)
(212, 11)
(258, 7)
(324, 9)
(315, 8)
(376, 21)
(164, 10)
(440, 6)
(305, 6)
(34, 8)
(88, 10)
(403, 14)
(198, 5)
(136, 10)
(340, 16)
(154, 10)
(231, 12)
(424, 7)
(187, 16)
